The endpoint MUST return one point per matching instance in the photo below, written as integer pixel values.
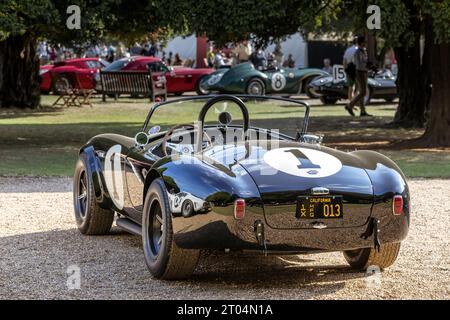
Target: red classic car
(179, 79)
(84, 68)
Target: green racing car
(244, 78)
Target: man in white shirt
(243, 51)
(349, 66)
(218, 60)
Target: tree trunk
(19, 72)
(414, 78)
(437, 133)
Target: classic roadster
(85, 68)
(381, 86)
(222, 182)
(245, 79)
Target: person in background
(120, 51)
(327, 66)
(349, 67)
(111, 53)
(270, 61)
(153, 51)
(169, 59)
(278, 56)
(53, 54)
(258, 59)
(289, 62)
(146, 50)
(210, 56)
(43, 52)
(104, 52)
(218, 59)
(362, 68)
(188, 63)
(177, 61)
(136, 49)
(243, 51)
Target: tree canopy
(404, 24)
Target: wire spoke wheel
(82, 194)
(255, 88)
(156, 228)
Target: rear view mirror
(311, 139)
(141, 139)
(225, 118)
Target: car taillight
(239, 209)
(397, 205)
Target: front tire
(199, 89)
(361, 259)
(163, 257)
(309, 91)
(91, 219)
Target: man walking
(360, 60)
(349, 67)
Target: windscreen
(286, 117)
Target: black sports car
(224, 183)
(381, 86)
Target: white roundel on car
(303, 162)
(278, 81)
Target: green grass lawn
(45, 142)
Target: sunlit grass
(45, 142)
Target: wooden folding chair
(64, 88)
(82, 96)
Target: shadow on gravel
(36, 266)
(217, 270)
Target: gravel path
(39, 242)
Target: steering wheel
(169, 133)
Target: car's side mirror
(311, 139)
(141, 139)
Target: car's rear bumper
(217, 231)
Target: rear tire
(91, 219)
(255, 86)
(163, 257)
(61, 85)
(361, 259)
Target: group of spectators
(243, 52)
(53, 53)
(49, 53)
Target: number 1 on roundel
(305, 163)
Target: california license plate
(319, 207)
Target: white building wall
(294, 44)
(185, 47)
